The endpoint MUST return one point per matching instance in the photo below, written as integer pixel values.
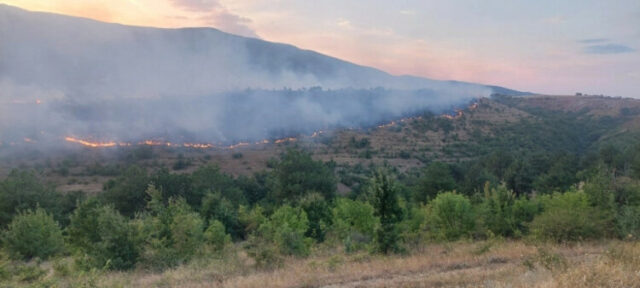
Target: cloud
(196, 5)
(215, 14)
(344, 23)
(608, 49)
(408, 12)
(593, 40)
(229, 22)
(554, 20)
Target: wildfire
(289, 139)
(91, 144)
(155, 143)
(197, 145)
(390, 124)
(241, 144)
(459, 114)
(96, 144)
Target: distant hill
(75, 54)
(122, 82)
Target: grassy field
(461, 264)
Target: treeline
(157, 219)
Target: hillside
(567, 124)
(110, 82)
(532, 191)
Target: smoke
(62, 76)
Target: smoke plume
(62, 76)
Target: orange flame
(241, 144)
(154, 143)
(90, 144)
(390, 124)
(198, 145)
(289, 139)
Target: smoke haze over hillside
(63, 76)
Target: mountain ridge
(257, 48)
(91, 79)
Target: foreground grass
(477, 264)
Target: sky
(544, 46)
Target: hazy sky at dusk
(547, 46)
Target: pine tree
(385, 202)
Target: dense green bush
(251, 219)
(286, 230)
(436, 178)
(569, 217)
(450, 216)
(297, 173)
(127, 192)
(497, 211)
(413, 226)
(505, 214)
(319, 215)
(628, 222)
(103, 237)
(217, 207)
(209, 179)
(524, 211)
(173, 232)
(186, 233)
(23, 190)
(353, 223)
(216, 236)
(33, 234)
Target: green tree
(297, 173)
(384, 194)
(175, 185)
(497, 210)
(33, 234)
(216, 236)
(569, 217)
(24, 190)
(209, 178)
(519, 177)
(104, 236)
(173, 232)
(127, 191)
(628, 222)
(437, 178)
(217, 207)
(354, 223)
(451, 216)
(319, 215)
(254, 188)
(285, 229)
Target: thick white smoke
(63, 76)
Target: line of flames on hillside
(108, 144)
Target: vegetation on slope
(549, 177)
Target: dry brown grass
(503, 264)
